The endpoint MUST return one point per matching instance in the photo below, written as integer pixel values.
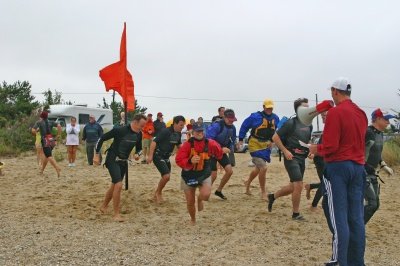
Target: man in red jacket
(343, 149)
(194, 159)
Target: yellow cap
(268, 103)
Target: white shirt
(72, 134)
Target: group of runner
(348, 158)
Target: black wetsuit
(166, 141)
(374, 143)
(293, 131)
(125, 139)
(320, 165)
(45, 127)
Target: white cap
(342, 84)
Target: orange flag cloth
(117, 77)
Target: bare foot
(264, 196)
(158, 198)
(103, 210)
(247, 185)
(192, 222)
(200, 205)
(314, 209)
(58, 172)
(307, 187)
(118, 218)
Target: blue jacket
(225, 136)
(92, 132)
(252, 122)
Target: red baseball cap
(159, 114)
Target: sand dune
(49, 220)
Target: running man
(224, 133)
(262, 125)
(125, 138)
(343, 149)
(193, 158)
(374, 162)
(161, 149)
(295, 155)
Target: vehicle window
(83, 119)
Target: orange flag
(117, 77)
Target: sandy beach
(47, 220)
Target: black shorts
(47, 152)
(163, 165)
(295, 168)
(117, 170)
(223, 162)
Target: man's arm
(278, 142)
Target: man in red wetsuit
(194, 159)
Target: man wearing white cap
(343, 149)
(373, 161)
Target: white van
(62, 114)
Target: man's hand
(313, 149)
(310, 156)
(288, 155)
(226, 150)
(96, 159)
(386, 168)
(195, 159)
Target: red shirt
(344, 134)
(183, 154)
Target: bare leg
(69, 151)
(44, 164)
(158, 194)
(284, 191)
(297, 188)
(107, 199)
(307, 187)
(226, 177)
(190, 200)
(205, 191)
(252, 175)
(54, 164)
(74, 148)
(116, 197)
(262, 180)
(213, 177)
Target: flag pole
(127, 164)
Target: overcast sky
(236, 52)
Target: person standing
(194, 159)
(374, 162)
(44, 126)
(293, 131)
(161, 149)
(343, 149)
(147, 135)
(159, 124)
(262, 125)
(125, 138)
(72, 141)
(224, 133)
(220, 115)
(91, 134)
(320, 166)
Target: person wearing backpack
(224, 133)
(263, 125)
(44, 126)
(194, 159)
(295, 155)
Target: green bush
(391, 151)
